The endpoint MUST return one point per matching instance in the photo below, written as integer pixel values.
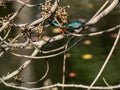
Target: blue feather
(54, 23)
(74, 25)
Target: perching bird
(74, 25)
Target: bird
(76, 24)
(70, 26)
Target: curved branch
(106, 61)
(103, 13)
(43, 77)
(29, 5)
(12, 17)
(45, 17)
(26, 63)
(47, 56)
(63, 85)
(103, 6)
(96, 33)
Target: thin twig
(64, 65)
(48, 56)
(106, 61)
(96, 33)
(26, 63)
(43, 77)
(106, 83)
(62, 85)
(103, 6)
(103, 13)
(12, 17)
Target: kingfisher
(72, 26)
(76, 24)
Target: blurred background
(83, 61)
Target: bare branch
(103, 13)
(106, 61)
(33, 33)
